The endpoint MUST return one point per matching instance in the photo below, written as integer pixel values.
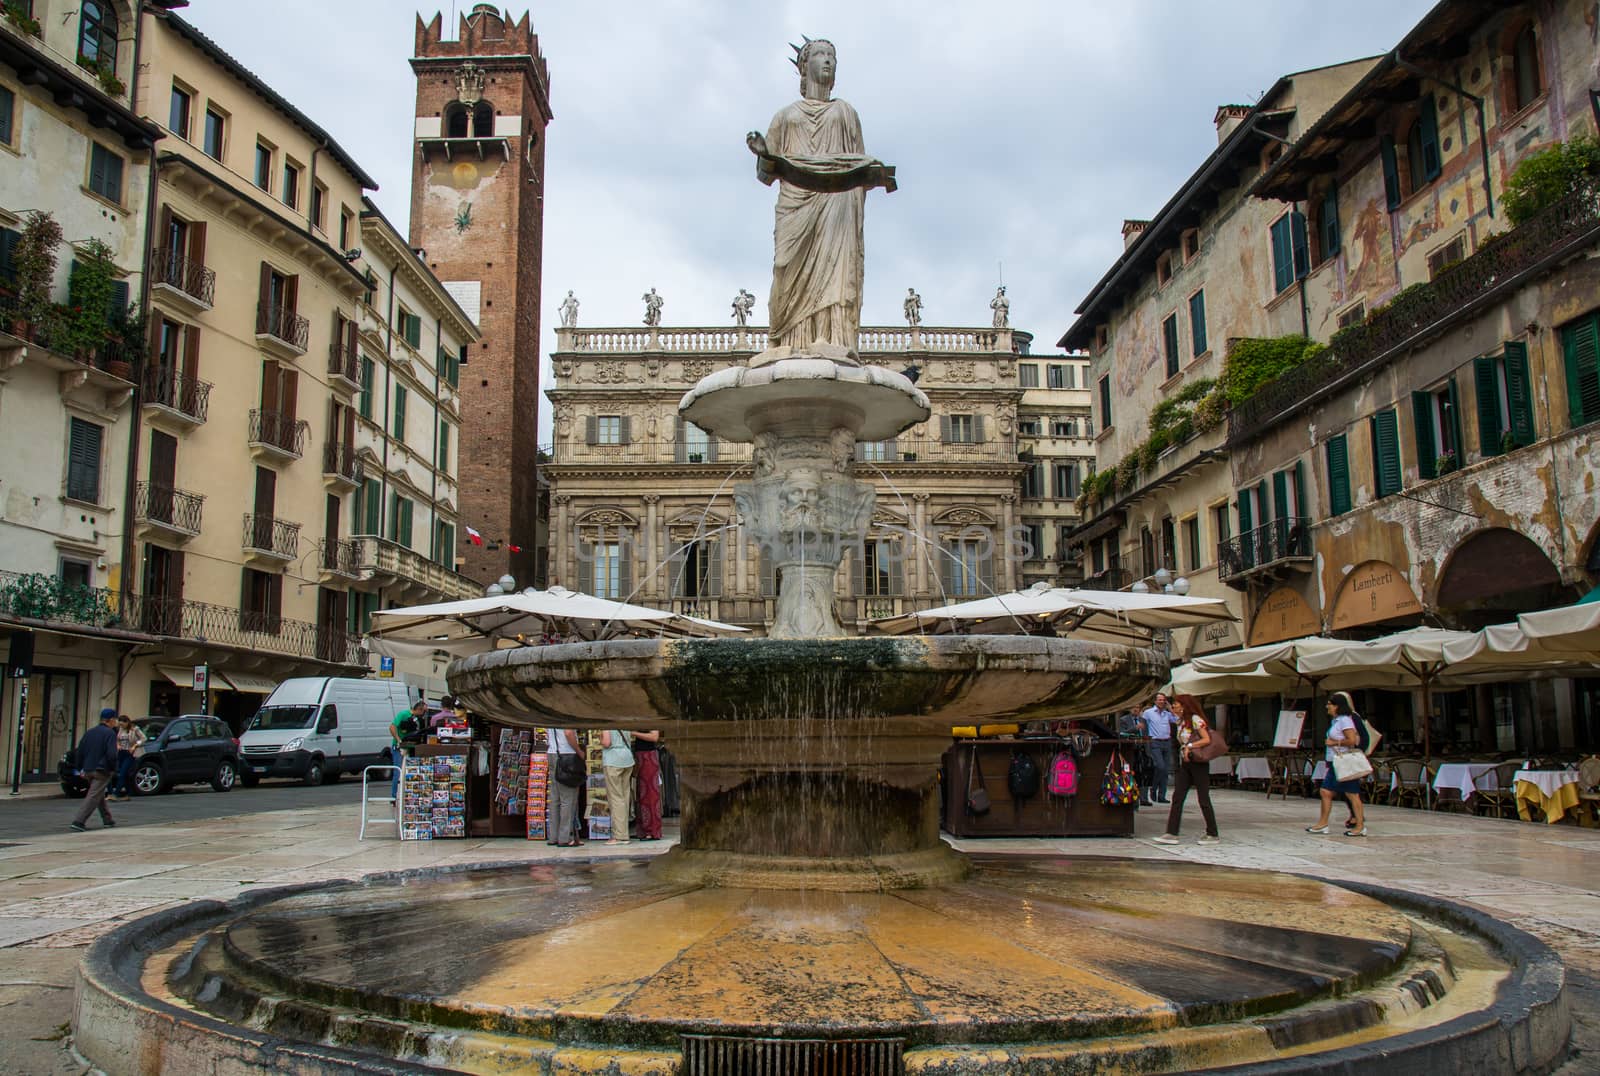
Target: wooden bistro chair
(1378, 784)
(1412, 784)
(1501, 800)
(1588, 790)
(1280, 766)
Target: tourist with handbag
(1197, 746)
(568, 773)
(1347, 764)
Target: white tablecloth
(1254, 768)
(1319, 771)
(1466, 778)
(1221, 766)
(1547, 780)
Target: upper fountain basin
(812, 389)
(935, 680)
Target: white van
(318, 727)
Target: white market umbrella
(1191, 680)
(1105, 611)
(1573, 629)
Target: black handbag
(570, 770)
(977, 795)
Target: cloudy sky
(1024, 131)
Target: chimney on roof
(1131, 231)
(1228, 119)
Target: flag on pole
(514, 548)
(474, 536)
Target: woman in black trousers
(1192, 732)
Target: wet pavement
(61, 890)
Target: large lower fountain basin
(807, 763)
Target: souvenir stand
(971, 762)
(433, 792)
(598, 815)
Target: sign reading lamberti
(1374, 591)
(1283, 614)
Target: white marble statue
(652, 307)
(815, 151)
(743, 304)
(912, 307)
(1002, 309)
(569, 311)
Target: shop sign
(1283, 614)
(202, 678)
(385, 668)
(1373, 592)
(1213, 637)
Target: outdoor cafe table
(1466, 778)
(1222, 766)
(1554, 792)
(1254, 768)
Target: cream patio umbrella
(1107, 613)
(1573, 629)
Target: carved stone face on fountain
(800, 494)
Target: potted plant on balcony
(17, 15)
(86, 319)
(35, 260)
(1446, 463)
(107, 75)
(127, 335)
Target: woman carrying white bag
(1347, 764)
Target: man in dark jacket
(97, 758)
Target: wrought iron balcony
(274, 433)
(281, 330)
(185, 398)
(391, 563)
(1499, 266)
(183, 279)
(1266, 549)
(344, 364)
(342, 556)
(340, 466)
(271, 538)
(173, 510)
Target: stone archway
(1492, 576)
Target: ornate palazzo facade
(642, 504)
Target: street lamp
(508, 585)
(493, 590)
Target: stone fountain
(810, 918)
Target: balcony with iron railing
(174, 512)
(105, 362)
(341, 556)
(182, 280)
(344, 366)
(1502, 264)
(281, 331)
(271, 539)
(176, 395)
(50, 600)
(1266, 552)
(277, 435)
(341, 467)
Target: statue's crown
(798, 59)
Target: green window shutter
(394, 518)
(1338, 476)
(1282, 253)
(1519, 389)
(1454, 396)
(1386, 452)
(1299, 489)
(449, 546)
(83, 460)
(1488, 401)
(1330, 221)
(400, 413)
(1429, 118)
(1280, 495)
(8, 263)
(368, 374)
(1105, 402)
(405, 521)
(118, 306)
(1300, 246)
(372, 506)
(1246, 522)
(1169, 344)
(1581, 346)
(444, 446)
(1391, 172)
(1427, 443)
(1197, 322)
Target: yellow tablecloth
(1554, 793)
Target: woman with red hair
(1192, 732)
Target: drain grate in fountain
(719, 1055)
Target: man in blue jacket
(97, 758)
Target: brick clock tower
(477, 213)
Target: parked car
(185, 750)
(315, 728)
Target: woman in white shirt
(1343, 734)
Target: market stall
(970, 764)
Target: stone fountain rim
(887, 400)
(1529, 1019)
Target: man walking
(97, 757)
(1158, 725)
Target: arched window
(97, 34)
(455, 120)
(482, 120)
(1526, 84)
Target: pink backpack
(1063, 779)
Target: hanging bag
(1022, 776)
(1063, 775)
(1118, 788)
(977, 795)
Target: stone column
(652, 529)
(921, 550)
(561, 563)
(1004, 580)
